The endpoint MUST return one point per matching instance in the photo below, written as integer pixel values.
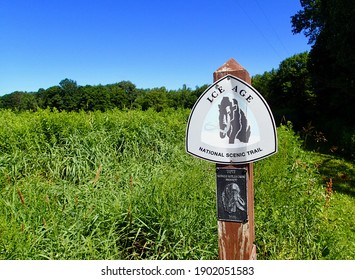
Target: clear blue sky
(151, 43)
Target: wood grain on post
(236, 240)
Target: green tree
(293, 89)
(118, 96)
(69, 86)
(196, 94)
(96, 98)
(288, 90)
(263, 84)
(180, 98)
(70, 95)
(123, 94)
(130, 91)
(155, 98)
(329, 25)
(309, 20)
(19, 100)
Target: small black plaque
(232, 202)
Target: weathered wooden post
(236, 240)
(232, 125)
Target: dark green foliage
(332, 60)
(309, 20)
(19, 101)
(264, 84)
(288, 90)
(318, 90)
(68, 96)
(329, 25)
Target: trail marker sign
(231, 123)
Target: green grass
(119, 185)
(288, 199)
(339, 210)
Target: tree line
(287, 89)
(69, 96)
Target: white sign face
(231, 123)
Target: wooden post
(236, 240)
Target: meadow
(119, 185)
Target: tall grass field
(119, 185)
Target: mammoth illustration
(232, 121)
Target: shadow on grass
(341, 172)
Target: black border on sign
(265, 104)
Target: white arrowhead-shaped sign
(231, 123)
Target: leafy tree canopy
(329, 25)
